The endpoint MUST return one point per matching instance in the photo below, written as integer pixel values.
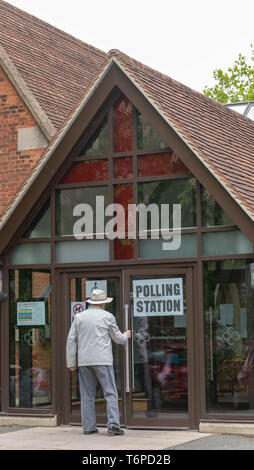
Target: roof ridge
(51, 27)
(122, 55)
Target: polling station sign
(158, 297)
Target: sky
(185, 39)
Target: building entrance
(154, 372)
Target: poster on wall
(30, 313)
(158, 297)
(97, 284)
(77, 307)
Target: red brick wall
(14, 166)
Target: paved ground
(217, 442)
(72, 438)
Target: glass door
(79, 288)
(158, 364)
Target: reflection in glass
(78, 293)
(160, 164)
(123, 125)
(177, 191)
(212, 213)
(153, 249)
(68, 199)
(30, 253)
(159, 355)
(226, 243)
(123, 194)
(229, 336)
(148, 138)
(98, 144)
(123, 168)
(79, 251)
(90, 170)
(30, 339)
(40, 227)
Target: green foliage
(237, 84)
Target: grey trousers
(88, 376)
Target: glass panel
(123, 249)
(123, 168)
(68, 199)
(80, 290)
(152, 249)
(79, 251)
(123, 194)
(98, 144)
(239, 108)
(178, 191)
(31, 253)
(82, 172)
(212, 213)
(159, 346)
(147, 137)
(156, 165)
(123, 125)
(30, 339)
(229, 336)
(225, 243)
(40, 227)
(250, 114)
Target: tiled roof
(223, 139)
(56, 66)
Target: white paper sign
(77, 307)
(97, 284)
(227, 314)
(30, 313)
(158, 297)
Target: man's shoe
(91, 432)
(114, 431)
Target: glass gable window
(229, 336)
(123, 122)
(30, 253)
(40, 227)
(160, 164)
(98, 144)
(147, 137)
(178, 191)
(212, 213)
(85, 171)
(68, 199)
(225, 243)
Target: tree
(237, 84)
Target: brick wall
(14, 165)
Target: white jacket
(90, 338)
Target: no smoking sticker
(77, 307)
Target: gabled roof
(220, 139)
(50, 65)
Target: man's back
(90, 336)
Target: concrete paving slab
(72, 438)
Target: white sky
(185, 39)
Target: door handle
(127, 362)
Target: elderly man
(90, 338)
